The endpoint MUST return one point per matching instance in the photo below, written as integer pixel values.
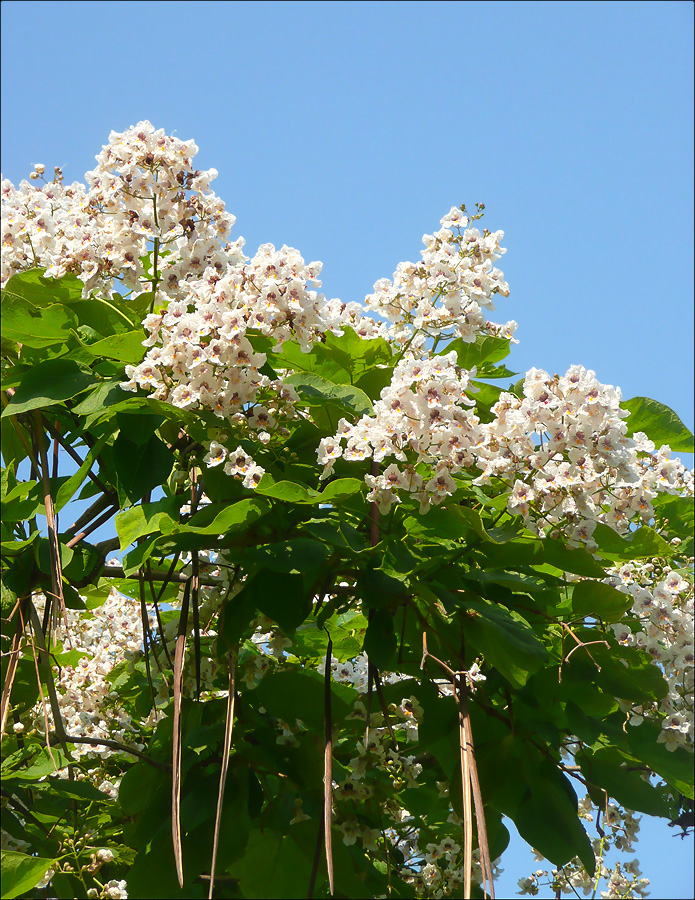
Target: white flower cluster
(663, 611)
(143, 189)
(443, 295)
(620, 828)
(564, 451)
(419, 419)
(108, 635)
(112, 890)
(200, 354)
(356, 672)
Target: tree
(371, 603)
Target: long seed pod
(229, 725)
(176, 761)
(328, 768)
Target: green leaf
(644, 543)
(547, 815)
(126, 348)
(141, 468)
(570, 559)
(607, 770)
(24, 321)
(42, 555)
(659, 422)
(677, 516)
(139, 428)
(43, 764)
(505, 639)
(380, 642)
(33, 286)
(298, 556)
(624, 672)
(134, 559)
(317, 391)
(592, 598)
(137, 788)
(291, 492)
(299, 693)
(48, 383)
(486, 349)
(272, 866)
(21, 873)
(76, 790)
(342, 360)
(83, 564)
(104, 394)
(144, 519)
(280, 596)
(219, 518)
(674, 766)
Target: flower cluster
(564, 451)
(420, 418)
(104, 638)
(561, 451)
(661, 622)
(143, 190)
(443, 295)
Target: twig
(93, 527)
(114, 745)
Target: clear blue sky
(348, 129)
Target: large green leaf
(593, 598)
(485, 350)
(547, 816)
(340, 359)
(644, 543)
(21, 872)
(298, 556)
(299, 694)
(126, 348)
(31, 285)
(27, 324)
(291, 492)
(48, 383)
(380, 642)
(505, 639)
(25, 318)
(608, 770)
(103, 395)
(569, 559)
(219, 518)
(674, 766)
(317, 391)
(144, 519)
(272, 866)
(141, 468)
(659, 422)
(622, 672)
(280, 596)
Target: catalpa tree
(369, 604)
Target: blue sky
(348, 129)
